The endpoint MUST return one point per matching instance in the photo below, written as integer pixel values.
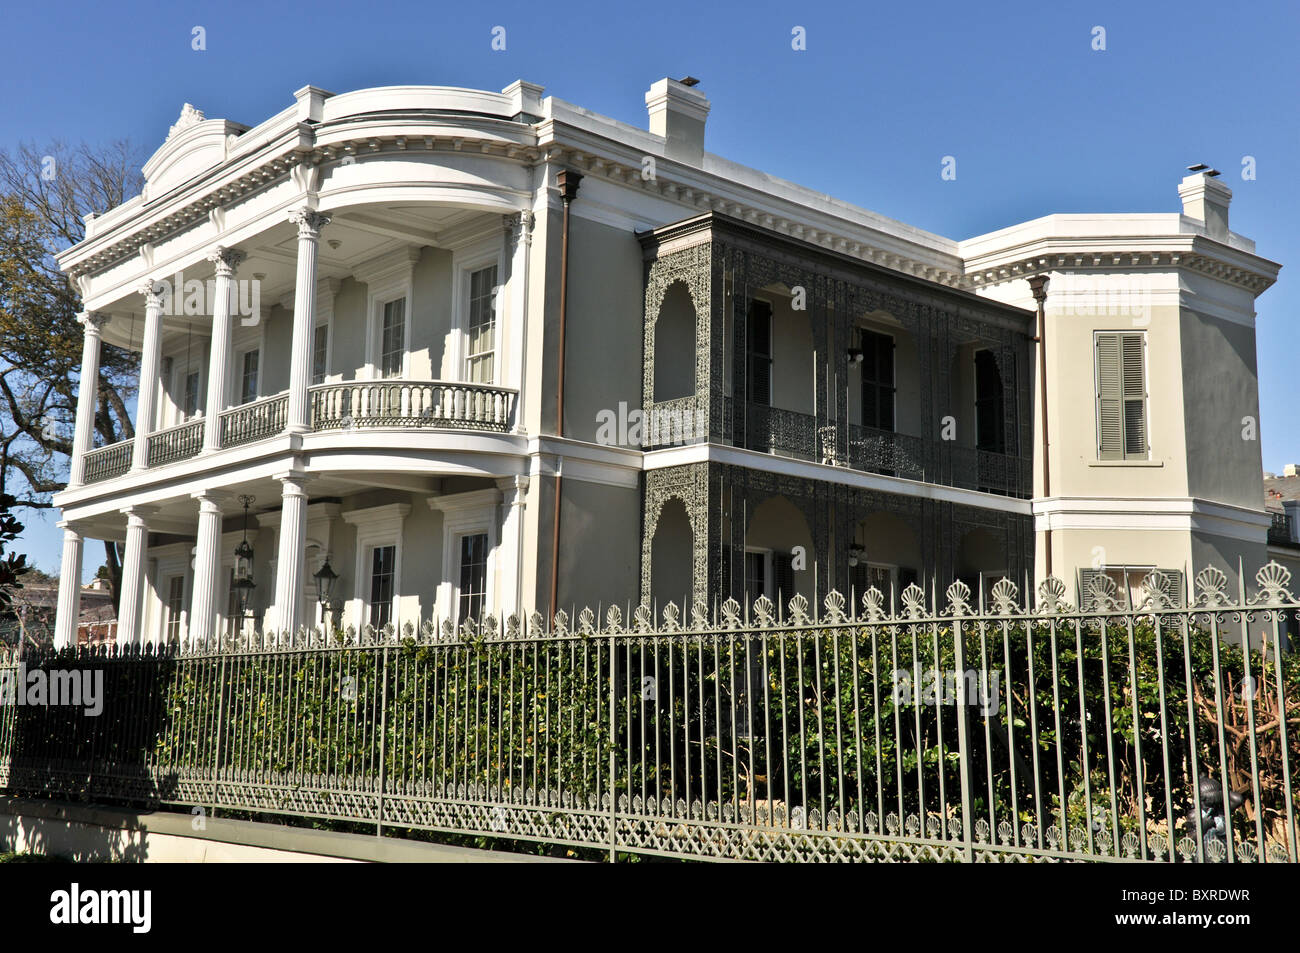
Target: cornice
(290, 154)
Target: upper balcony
(761, 341)
(351, 406)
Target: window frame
(750, 354)
(466, 514)
(863, 332)
(1001, 401)
(1124, 455)
(465, 261)
(387, 279)
(376, 526)
(241, 360)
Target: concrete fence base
(91, 834)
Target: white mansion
(491, 351)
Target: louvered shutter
(1110, 399)
(1086, 576)
(1135, 393)
(783, 577)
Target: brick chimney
(677, 113)
(1206, 199)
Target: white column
(519, 241)
(207, 571)
(291, 561)
(150, 358)
(87, 394)
(132, 595)
(514, 492)
(65, 621)
(225, 260)
(309, 224)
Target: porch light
(325, 577)
(856, 355)
(243, 582)
(856, 552)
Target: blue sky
(1038, 121)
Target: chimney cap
(689, 81)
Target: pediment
(194, 144)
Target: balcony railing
(793, 434)
(108, 462)
(175, 443)
(883, 451)
(411, 404)
(256, 421)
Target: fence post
(613, 748)
(963, 738)
(383, 744)
(221, 724)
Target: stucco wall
(604, 329)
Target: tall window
(1121, 396)
(320, 354)
(190, 402)
(878, 390)
(392, 339)
(473, 575)
(758, 343)
(481, 329)
(990, 434)
(248, 376)
(175, 607)
(383, 567)
(755, 576)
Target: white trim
(466, 260)
(1179, 515)
(466, 514)
(376, 526)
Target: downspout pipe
(1038, 286)
(567, 182)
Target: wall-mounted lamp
(856, 554)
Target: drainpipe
(1038, 286)
(567, 181)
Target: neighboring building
(493, 352)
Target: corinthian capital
(309, 222)
(93, 321)
(226, 260)
(153, 294)
(518, 226)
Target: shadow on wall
(88, 730)
(70, 841)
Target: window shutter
(1135, 392)
(1110, 426)
(1086, 577)
(783, 577)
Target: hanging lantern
(243, 580)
